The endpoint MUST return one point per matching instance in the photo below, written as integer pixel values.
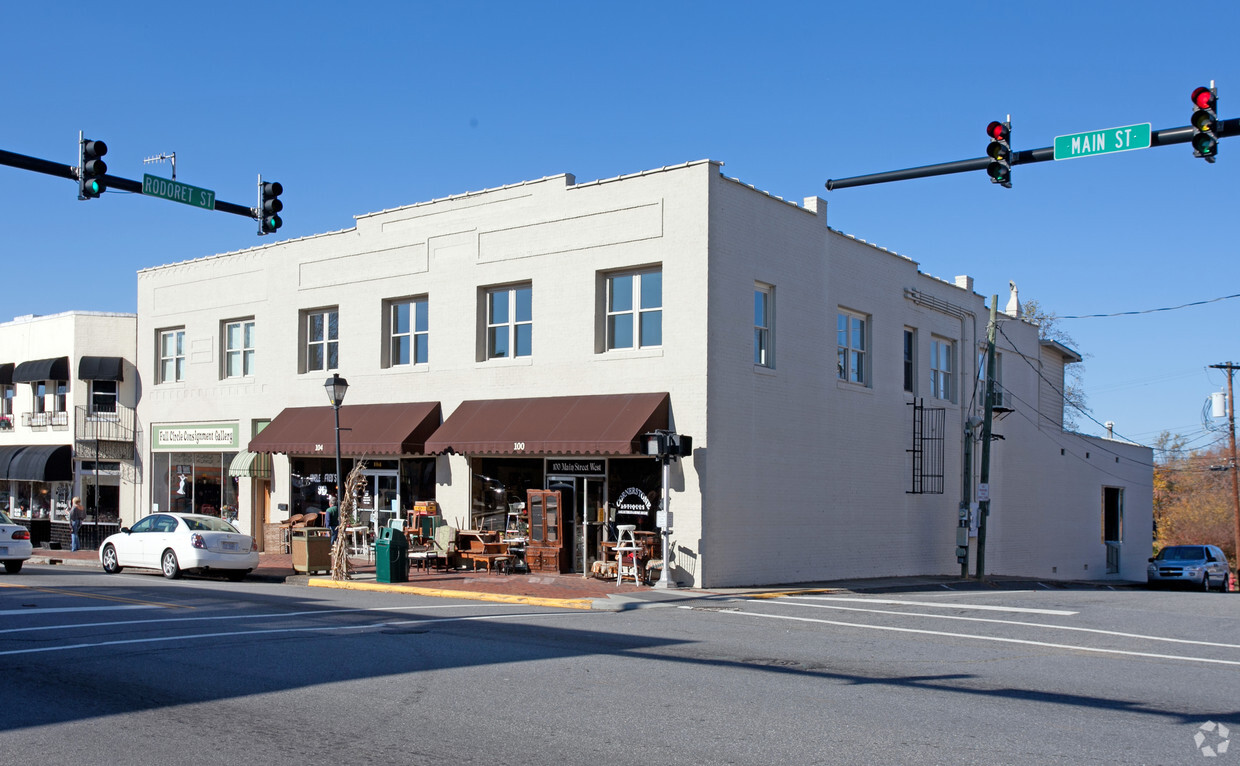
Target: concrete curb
(503, 598)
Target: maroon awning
(610, 424)
(365, 430)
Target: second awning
(365, 430)
(608, 424)
(250, 465)
(56, 368)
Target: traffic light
(269, 205)
(1000, 153)
(1205, 123)
(91, 168)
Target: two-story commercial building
(68, 386)
(526, 337)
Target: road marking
(38, 610)
(1011, 622)
(997, 639)
(273, 631)
(937, 605)
(96, 596)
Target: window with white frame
(172, 355)
(239, 341)
(942, 352)
(39, 390)
(635, 309)
(852, 347)
(104, 395)
(910, 360)
(61, 402)
(510, 321)
(7, 392)
(322, 350)
(408, 334)
(763, 325)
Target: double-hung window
(510, 321)
(7, 392)
(239, 348)
(942, 352)
(852, 347)
(103, 396)
(409, 334)
(172, 355)
(322, 340)
(635, 309)
(910, 360)
(764, 325)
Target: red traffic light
(997, 131)
(1203, 98)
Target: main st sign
(1104, 141)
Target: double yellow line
(96, 596)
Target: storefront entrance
(585, 515)
(380, 499)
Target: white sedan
(177, 542)
(15, 545)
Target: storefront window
(313, 480)
(417, 480)
(193, 482)
(633, 487)
(497, 483)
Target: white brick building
(677, 281)
(68, 386)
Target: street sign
(176, 191)
(1104, 141)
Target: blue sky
(367, 106)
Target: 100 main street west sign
(178, 192)
(1105, 141)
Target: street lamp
(667, 446)
(336, 387)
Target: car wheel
(168, 563)
(111, 564)
(1225, 585)
(1205, 582)
(237, 575)
(13, 567)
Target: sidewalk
(577, 592)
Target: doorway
(585, 517)
(380, 499)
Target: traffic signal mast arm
(46, 167)
(1166, 137)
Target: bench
(474, 547)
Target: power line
(1150, 311)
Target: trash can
(391, 556)
(312, 549)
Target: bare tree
(1074, 374)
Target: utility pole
(1231, 368)
(983, 504)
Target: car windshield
(4, 518)
(207, 524)
(1182, 553)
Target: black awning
(7, 454)
(56, 368)
(6, 374)
(44, 462)
(101, 368)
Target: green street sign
(178, 192)
(1105, 141)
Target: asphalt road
(133, 669)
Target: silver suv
(1201, 566)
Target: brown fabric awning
(365, 430)
(610, 424)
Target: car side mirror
(1151, 557)
(127, 530)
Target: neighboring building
(550, 324)
(67, 391)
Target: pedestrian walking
(76, 516)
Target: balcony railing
(115, 424)
(45, 419)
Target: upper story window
(322, 340)
(172, 355)
(104, 395)
(852, 347)
(635, 309)
(61, 401)
(239, 348)
(910, 360)
(942, 353)
(408, 332)
(510, 321)
(39, 390)
(7, 392)
(764, 325)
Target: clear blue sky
(358, 107)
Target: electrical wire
(1150, 311)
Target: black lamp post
(336, 387)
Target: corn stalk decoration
(346, 506)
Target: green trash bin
(391, 556)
